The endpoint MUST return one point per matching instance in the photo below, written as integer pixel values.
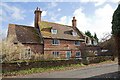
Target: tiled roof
(46, 27)
(29, 34)
(24, 34)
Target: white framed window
(27, 54)
(55, 54)
(89, 42)
(95, 42)
(77, 43)
(78, 54)
(54, 31)
(74, 33)
(55, 42)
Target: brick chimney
(37, 17)
(74, 22)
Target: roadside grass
(40, 70)
(50, 69)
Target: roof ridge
(57, 23)
(22, 25)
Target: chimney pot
(37, 8)
(74, 22)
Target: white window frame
(54, 31)
(76, 53)
(76, 44)
(95, 42)
(54, 43)
(56, 54)
(74, 33)
(27, 53)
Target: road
(87, 72)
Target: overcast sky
(92, 15)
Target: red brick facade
(36, 48)
(62, 48)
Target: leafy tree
(116, 30)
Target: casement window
(54, 31)
(55, 54)
(77, 43)
(78, 54)
(74, 33)
(95, 42)
(27, 54)
(55, 42)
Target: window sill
(55, 44)
(77, 45)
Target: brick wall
(36, 48)
(62, 48)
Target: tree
(116, 30)
(88, 33)
(95, 36)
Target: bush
(10, 51)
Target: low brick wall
(37, 64)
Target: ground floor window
(27, 54)
(78, 54)
(55, 54)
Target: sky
(91, 15)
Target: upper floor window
(55, 54)
(89, 42)
(74, 33)
(95, 42)
(54, 31)
(77, 43)
(55, 42)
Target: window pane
(55, 54)
(55, 41)
(53, 31)
(77, 42)
(74, 33)
(78, 54)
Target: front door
(68, 54)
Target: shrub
(10, 51)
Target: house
(53, 39)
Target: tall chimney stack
(37, 17)
(74, 22)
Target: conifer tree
(116, 30)
(95, 36)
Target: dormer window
(54, 31)
(74, 33)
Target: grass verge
(50, 69)
(40, 70)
